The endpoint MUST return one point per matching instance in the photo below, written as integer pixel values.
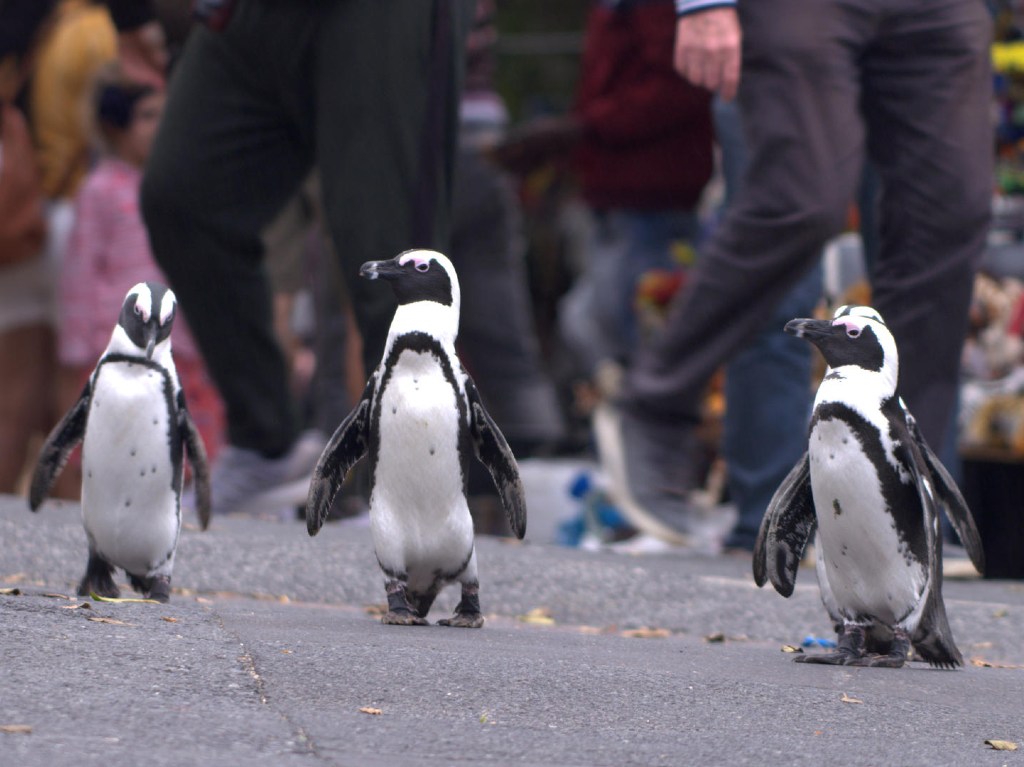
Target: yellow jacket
(82, 40)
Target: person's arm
(708, 44)
(141, 47)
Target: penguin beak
(814, 331)
(150, 335)
(371, 270)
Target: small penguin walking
(132, 422)
(871, 488)
(419, 419)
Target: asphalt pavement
(271, 653)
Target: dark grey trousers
(366, 89)
(823, 82)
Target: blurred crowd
(210, 145)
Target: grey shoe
(243, 480)
(651, 471)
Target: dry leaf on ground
(791, 648)
(23, 729)
(370, 710)
(646, 633)
(717, 636)
(847, 699)
(97, 598)
(10, 592)
(104, 619)
(538, 615)
(982, 663)
(169, 619)
(375, 610)
(1002, 745)
(79, 606)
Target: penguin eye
(138, 310)
(422, 266)
(852, 332)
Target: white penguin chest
(417, 508)
(865, 560)
(129, 504)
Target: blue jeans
(598, 315)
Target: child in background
(109, 252)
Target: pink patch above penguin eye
(852, 329)
(422, 264)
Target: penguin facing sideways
(869, 489)
(132, 422)
(419, 420)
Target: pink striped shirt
(108, 252)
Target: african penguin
(871, 488)
(132, 422)
(419, 420)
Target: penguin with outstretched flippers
(870, 490)
(132, 422)
(419, 421)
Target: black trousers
(366, 89)
(823, 83)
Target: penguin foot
(879, 661)
(467, 611)
(841, 658)
(403, 618)
(463, 621)
(899, 649)
(98, 578)
(161, 588)
(400, 611)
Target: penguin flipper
(932, 638)
(950, 498)
(57, 448)
(787, 525)
(494, 453)
(197, 457)
(351, 441)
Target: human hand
(142, 53)
(708, 46)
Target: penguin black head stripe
(856, 335)
(416, 275)
(147, 315)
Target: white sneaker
(243, 480)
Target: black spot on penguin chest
(901, 498)
(420, 343)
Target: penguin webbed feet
(400, 611)
(852, 650)
(157, 588)
(467, 612)
(98, 578)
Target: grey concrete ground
(268, 654)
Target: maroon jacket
(647, 132)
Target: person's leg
(227, 156)
(26, 369)
(800, 95)
(764, 431)
(497, 338)
(927, 97)
(235, 142)
(387, 85)
(768, 403)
